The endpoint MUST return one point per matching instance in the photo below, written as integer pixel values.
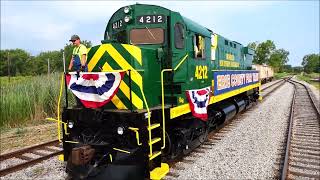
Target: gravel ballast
(250, 149)
(270, 83)
(52, 169)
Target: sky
(38, 26)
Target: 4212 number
(201, 72)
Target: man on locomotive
(78, 60)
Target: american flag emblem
(94, 89)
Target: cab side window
(179, 36)
(198, 44)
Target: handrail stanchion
(162, 104)
(65, 81)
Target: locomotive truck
(172, 80)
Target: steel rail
(281, 80)
(26, 150)
(311, 97)
(279, 84)
(29, 161)
(288, 144)
(285, 165)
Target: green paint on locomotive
(165, 37)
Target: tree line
(15, 62)
(267, 53)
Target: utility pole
(48, 66)
(8, 66)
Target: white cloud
(42, 28)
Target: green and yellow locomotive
(180, 80)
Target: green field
(28, 99)
(308, 77)
(281, 75)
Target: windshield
(147, 36)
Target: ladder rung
(154, 140)
(154, 154)
(153, 126)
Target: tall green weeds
(27, 99)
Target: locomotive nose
(139, 64)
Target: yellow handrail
(63, 123)
(148, 112)
(162, 98)
(59, 101)
(183, 59)
(121, 150)
(162, 105)
(137, 134)
(58, 110)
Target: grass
(308, 77)
(28, 99)
(281, 75)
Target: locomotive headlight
(127, 19)
(120, 130)
(70, 124)
(126, 10)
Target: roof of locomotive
(195, 27)
(190, 24)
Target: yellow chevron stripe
(96, 57)
(134, 51)
(118, 103)
(126, 90)
(136, 77)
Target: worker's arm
(83, 55)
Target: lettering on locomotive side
(225, 63)
(117, 24)
(237, 79)
(230, 80)
(223, 81)
(230, 57)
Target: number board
(117, 24)
(151, 19)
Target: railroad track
(302, 153)
(266, 91)
(52, 148)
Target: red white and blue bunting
(199, 101)
(94, 89)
